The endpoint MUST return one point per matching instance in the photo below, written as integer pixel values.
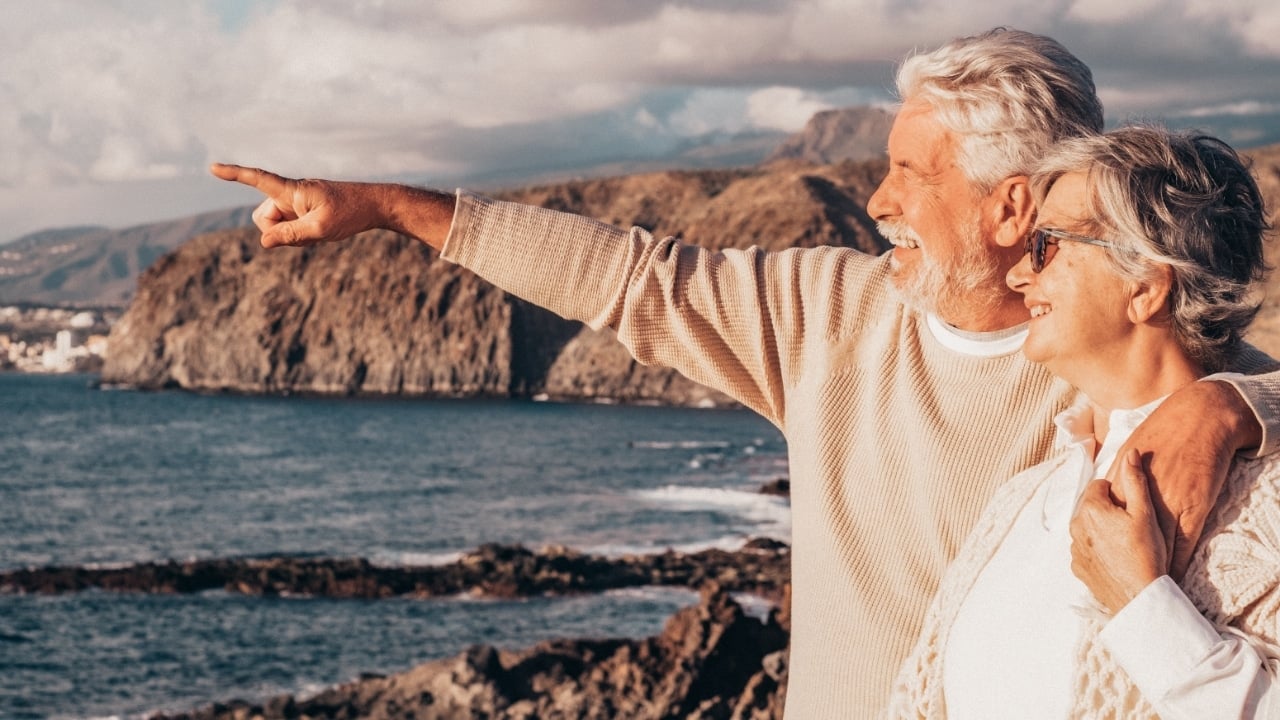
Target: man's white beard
(970, 286)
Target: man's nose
(881, 204)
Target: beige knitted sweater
(895, 442)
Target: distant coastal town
(54, 340)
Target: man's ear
(1010, 211)
(1150, 297)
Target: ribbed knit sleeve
(735, 320)
(1259, 384)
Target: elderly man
(896, 380)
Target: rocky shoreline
(712, 660)
(497, 571)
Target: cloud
(1244, 107)
(1110, 11)
(783, 108)
(1255, 24)
(93, 92)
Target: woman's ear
(1010, 210)
(1150, 296)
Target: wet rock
(710, 661)
(503, 571)
(780, 487)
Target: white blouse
(1011, 652)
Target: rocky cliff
(381, 314)
(856, 133)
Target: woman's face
(1079, 305)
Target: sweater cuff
(1262, 394)
(457, 246)
(1159, 638)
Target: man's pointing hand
(304, 212)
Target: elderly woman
(1139, 279)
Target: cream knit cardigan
(1234, 580)
(895, 442)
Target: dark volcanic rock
(711, 661)
(506, 571)
(376, 314)
(778, 486)
(381, 314)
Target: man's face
(931, 213)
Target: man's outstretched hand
(306, 212)
(300, 212)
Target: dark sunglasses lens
(1037, 249)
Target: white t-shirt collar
(977, 344)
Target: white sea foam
(728, 543)
(767, 510)
(679, 444)
(753, 605)
(656, 593)
(408, 558)
(111, 564)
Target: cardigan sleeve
(1184, 666)
(739, 321)
(1211, 646)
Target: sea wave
(409, 558)
(679, 444)
(656, 593)
(766, 510)
(728, 543)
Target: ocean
(106, 477)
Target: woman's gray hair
(1009, 95)
(1182, 200)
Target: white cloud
(1110, 11)
(708, 110)
(1255, 23)
(151, 88)
(1244, 107)
(783, 108)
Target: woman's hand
(1117, 548)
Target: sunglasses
(1041, 239)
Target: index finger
(267, 182)
(1133, 481)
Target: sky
(111, 110)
